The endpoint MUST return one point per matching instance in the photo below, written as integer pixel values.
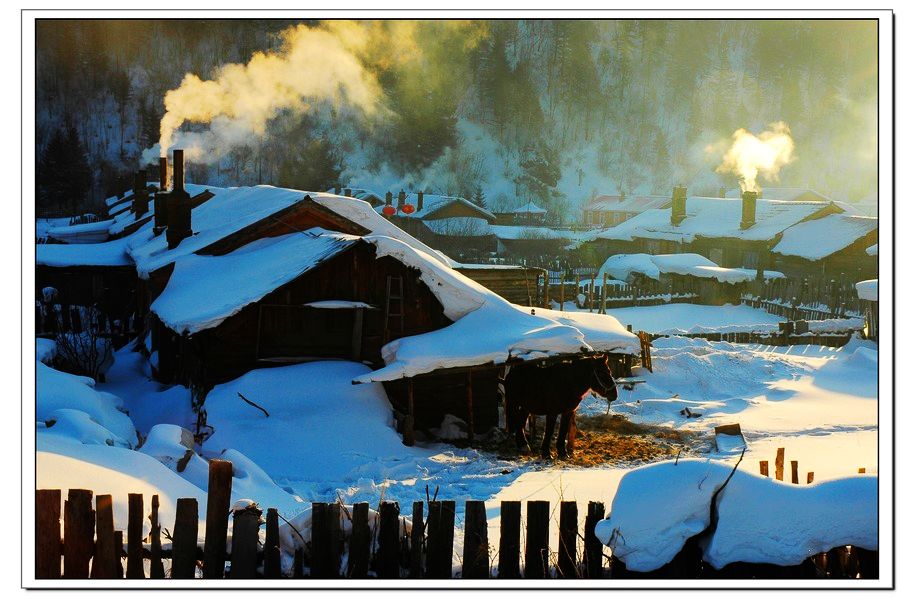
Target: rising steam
(751, 155)
(314, 64)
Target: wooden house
(611, 210)
(831, 246)
(528, 214)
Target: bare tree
(85, 349)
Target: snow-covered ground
(327, 439)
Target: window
(750, 259)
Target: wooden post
(779, 464)
(272, 569)
(475, 541)
(360, 543)
(562, 293)
(568, 540)
(590, 294)
(119, 552)
(471, 435)
(156, 568)
(218, 499)
(861, 470)
(545, 303)
(593, 547)
(536, 553)
(47, 534)
(763, 467)
(794, 472)
(410, 421)
(415, 547)
(78, 532)
(509, 542)
(104, 562)
(388, 561)
(440, 542)
(184, 539)
(245, 535)
(135, 536)
(298, 564)
(336, 537)
(809, 477)
(603, 295)
(320, 541)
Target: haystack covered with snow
(760, 520)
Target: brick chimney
(749, 199)
(160, 201)
(420, 199)
(140, 203)
(178, 205)
(678, 211)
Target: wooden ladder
(393, 308)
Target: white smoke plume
(314, 64)
(750, 155)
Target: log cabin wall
(258, 337)
(517, 285)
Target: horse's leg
(520, 435)
(547, 436)
(564, 426)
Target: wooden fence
(92, 548)
(805, 298)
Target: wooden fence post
(298, 564)
(568, 540)
(536, 553)
(562, 294)
(475, 541)
(245, 534)
(272, 569)
(47, 534)
(360, 542)
(795, 472)
(763, 467)
(78, 533)
(320, 541)
(779, 464)
(219, 493)
(440, 544)
(119, 551)
(593, 547)
(810, 476)
(509, 542)
(135, 536)
(415, 548)
(388, 562)
(603, 295)
(184, 539)
(104, 562)
(156, 568)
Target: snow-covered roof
(688, 264)
(868, 289)
(432, 203)
(788, 193)
(527, 209)
(714, 218)
(627, 204)
(873, 250)
(204, 290)
(111, 253)
(230, 210)
(818, 238)
(540, 233)
(95, 231)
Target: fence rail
(390, 546)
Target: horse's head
(601, 380)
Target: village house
(831, 246)
(610, 210)
(261, 276)
(736, 233)
(528, 214)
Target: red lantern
(408, 208)
(389, 210)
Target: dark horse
(552, 391)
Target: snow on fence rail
(338, 541)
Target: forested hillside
(502, 112)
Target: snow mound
(658, 507)
(868, 290)
(58, 390)
(45, 350)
